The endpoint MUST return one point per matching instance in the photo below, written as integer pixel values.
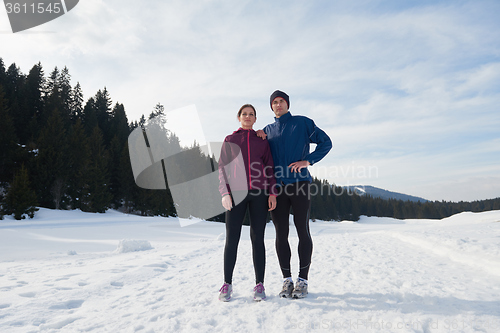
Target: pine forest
(60, 151)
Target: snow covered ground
(68, 271)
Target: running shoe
(286, 291)
(225, 292)
(300, 290)
(259, 293)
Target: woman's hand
(226, 202)
(297, 166)
(272, 202)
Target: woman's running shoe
(259, 293)
(225, 292)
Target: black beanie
(281, 94)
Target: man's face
(279, 107)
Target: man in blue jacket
(289, 138)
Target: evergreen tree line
(334, 203)
(61, 152)
(58, 151)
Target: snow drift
(375, 275)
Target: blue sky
(409, 91)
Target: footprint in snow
(62, 279)
(30, 294)
(160, 265)
(116, 284)
(73, 304)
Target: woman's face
(247, 118)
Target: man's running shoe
(259, 293)
(300, 290)
(225, 292)
(286, 291)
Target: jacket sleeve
(269, 169)
(266, 129)
(223, 161)
(322, 141)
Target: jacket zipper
(249, 170)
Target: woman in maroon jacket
(246, 181)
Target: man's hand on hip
(299, 165)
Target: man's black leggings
(256, 202)
(296, 196)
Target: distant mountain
(381, 193)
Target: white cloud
(402, 89)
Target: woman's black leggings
(297, 196)
(256, 202)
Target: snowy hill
(68, 271)
(383, 194)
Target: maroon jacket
(246, 163)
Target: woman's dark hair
(247, 106)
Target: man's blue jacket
(289, 138)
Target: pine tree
(20, 198)
(78, 163)
(52, 163)
(119, 124)
(142, 121)
(119, 128)
(355, 207)
(34, 105)
(89, 116)
(76, 110)
(14, 81)
(65, 92)
(98, 198)
(52, 82)
(52, 98)
(8, 142)
(398, 209)
(127, 189)
(142, 201)
(158, 111)
(102, 108)
(14, 84)
(3, 74)
(115, 154)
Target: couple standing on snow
(269, 175)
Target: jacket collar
(240, 130)
(283, 118)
